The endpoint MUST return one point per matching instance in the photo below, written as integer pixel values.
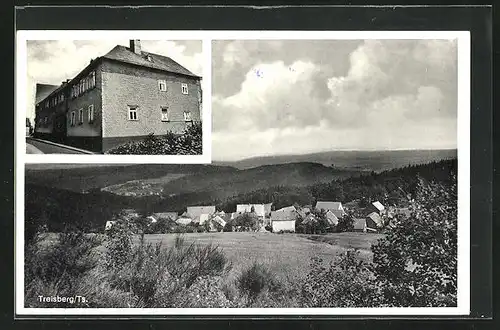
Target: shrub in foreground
(255, 280)
(188, 143)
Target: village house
(283, 221)
(258, 209)
(335, 207)
(331, 218)
(201, 219)
(196, 211)
(360, 225)
(121, 96)
(376, 207)
(155, 217)
(374, 221)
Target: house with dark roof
(374, 221)
(124, 95)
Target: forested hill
(55, 205)
(390, 187)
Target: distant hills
(352, 159)
(75, 194)
(229, 183)
(82, 178)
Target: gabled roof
(329, 206)
(195, 211)
(332, 218)
(201, 219)
(287, 209)
(359, 224)
(219, 220)
(375, 217)
(378, 206)
(159, 62)
(309, 218)
(283, 216)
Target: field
(287, 255)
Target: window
(91, 113)
(162, 85)
(184, 88)
(187, 116)
(164, 113)
(132, 112)
(73, 118)
(92, 79)
(80, 116)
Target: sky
(53, 61)
(275, 97)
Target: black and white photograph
(114, 96)
(333, 190)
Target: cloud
(380, 94)
(53, 61)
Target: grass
(286, 255)
(285, 260)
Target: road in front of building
(40, 147)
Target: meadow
(286, 255)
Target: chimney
(135, 46)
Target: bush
(188, 143)
(416, 262)
(346, 223)
(255, 280)
(58, 268)
(345, 283)
(118, 245)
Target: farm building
(309, 218)
(331, 218)
(283, 221)
(196, 211)
(377, 207)
(121, 96)
(258, 209)
(335, 207)
(374, 221)
(201, 219)
(217, 223)
(360, 225)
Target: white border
(21, 102)
(463, 136)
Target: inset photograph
(114, 97)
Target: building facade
(124, 95)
